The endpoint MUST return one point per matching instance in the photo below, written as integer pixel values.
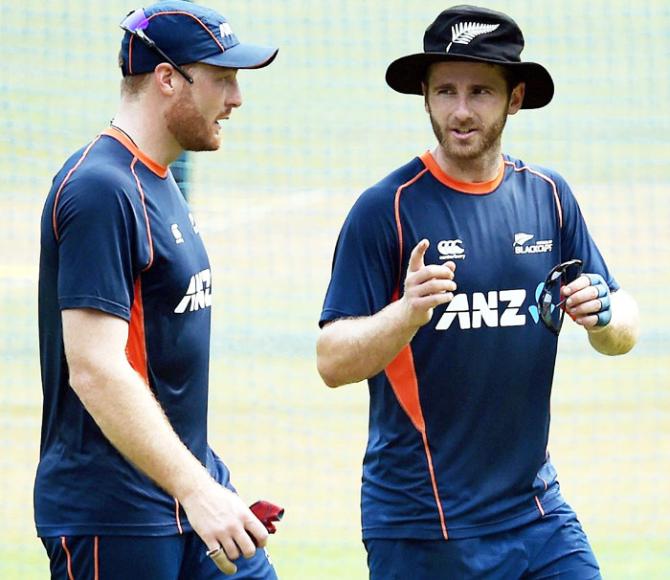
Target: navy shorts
(145, 558)
(554, 546)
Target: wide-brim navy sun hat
(473, 34)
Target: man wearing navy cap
(449, 284)
(127, 485)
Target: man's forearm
(129, 416)
(133, 421)
(122, 404)
(621, 334)
(353, 349)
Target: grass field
(317, 128)
(289, 439)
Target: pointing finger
(416, 258)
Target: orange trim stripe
(130, 54)
(433, 480)
(63, 543)
(402, 374)
(96, 567)
(462, 186)
(54, 225)
(396, 206)
(146, 216)
(177, 517)
(539, 506)
(136, 346)
(194, 18)
(559, 209)
(153, 166)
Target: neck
(145, 126)
(483, 168)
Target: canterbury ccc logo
(466, 32)
(199, 293)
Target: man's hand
(588, 301)
(352, 349)
(221, 519)
(426, 286)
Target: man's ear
(516, 98)
(424, 91)
(165, 78)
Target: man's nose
(462, 107)
(233, 95)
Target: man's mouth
(218, 120)
(460, 133)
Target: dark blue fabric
(484, 363)
(554, 546)
(144, 558)
(100, 250)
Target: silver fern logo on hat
(466, 32)
(473, 34)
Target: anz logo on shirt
(493, 309)
(199, 293)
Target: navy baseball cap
(473, 34)
(186, 33)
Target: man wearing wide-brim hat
(450, 281)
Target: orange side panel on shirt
(401, 373)
(136, 347)
(402, 377)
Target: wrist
(405, 319)
(193, 485)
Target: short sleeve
(97, 231)
(576, 241)
(366, 260)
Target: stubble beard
(189, 127)
(487, 141)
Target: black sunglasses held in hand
(552, 313)
(135, 23)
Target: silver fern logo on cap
(466, 32)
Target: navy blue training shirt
(117, 236)
(459, 421)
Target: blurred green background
(317, 127)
